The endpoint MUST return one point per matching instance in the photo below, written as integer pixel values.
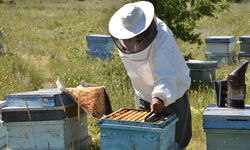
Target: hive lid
(201, 64)
(220, 39)
(38, 93)
(98, 37)
(226, 118)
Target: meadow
(46, 39)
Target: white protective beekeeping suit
(159, 70)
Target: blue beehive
(126, 135)
(220, 48)
(227, 128)
(39, 98)
(100, 46)
(44, 119)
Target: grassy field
(46, 39)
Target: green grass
(46, 39)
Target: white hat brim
(117, 29)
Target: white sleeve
(167, 63)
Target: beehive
(100, 46)
(244, 46)
(227, 128)
(220, 44)
(44, 119)
(202, 72)
(220, 48)
(125, 129)
(46, 128)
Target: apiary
(227, 128)
(100, 46)
(126, 129)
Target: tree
(181, 16)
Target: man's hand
(157, 105)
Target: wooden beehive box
(100, 46)
(42, 128)
(220, 44)
(202, 72)
(125, 130)
(227, 128)
(244, 46)
(39, 98)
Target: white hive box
(220, 44)
(43, 128)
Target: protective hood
(139, 56)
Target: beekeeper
(154, 64)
